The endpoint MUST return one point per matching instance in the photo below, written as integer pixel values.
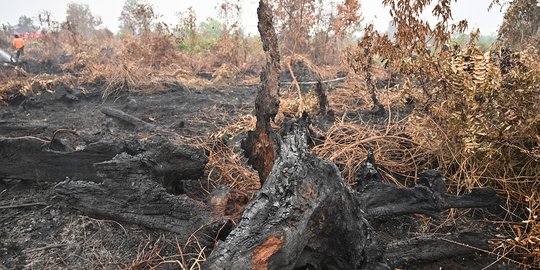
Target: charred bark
(260, 145)
(428, 248)
(31, 158)
(128, 194)
(305, 215)
(428, 198)
(129, 119)
(323, 98)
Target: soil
(51, 235)
(38, 231)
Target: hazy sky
(475, 11)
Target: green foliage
(202, 38)
(211, 29)
(484, 41)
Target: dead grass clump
(226, 74)
(347, 145)
(302, 67)
(144, 64)
(349, 98)
(291, 104)
(227, 165)
(526, 241)
(26, 86)
(191, 255)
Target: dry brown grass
(397, 155)
(150, 256)
(227, 165)
(14, 87)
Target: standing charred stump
(260, 144)
(307, 217)
(304, 216)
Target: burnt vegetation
(320, 143)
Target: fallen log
(429, 197)
(428, 248)
(30, 158)
(127, 118)
(20, 128)
(128, 194)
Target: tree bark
(30, 158)
(260, 145)
(427, 248)
(128, 194)
(304, 215)
(428, 198)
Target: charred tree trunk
(323, 98)
(260, 145)
(305, 215)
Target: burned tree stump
(260, 145)
(322, 97)
(304, 215)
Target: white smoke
(5, 55)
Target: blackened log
(428, 198)
(478, 198)
(260, 145)
(127, 118)
(305, 215)
(29, 158)
(127, 194)
(20, 128)
(429, 248)
(171, 163)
